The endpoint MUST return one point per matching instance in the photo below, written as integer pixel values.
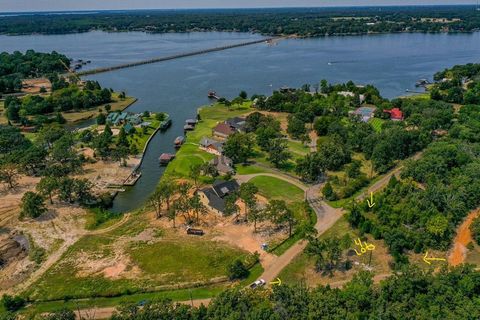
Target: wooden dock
(176, 56)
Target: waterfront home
(229, 127)
(395, 114)
(214, 197)
(119, 118)
(222, 130)
(237, 123)
(223, 164)
(211, 146)
(365, 113)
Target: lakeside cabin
(165, 158)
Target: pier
(176, 56)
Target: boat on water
(165, 158)
(191, 122)
(179, 141)
(188, 127)
(212, 95)
(165, 124)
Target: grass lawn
(297, 148)
(250, 169)
(274, 188)
(140, 137)
(175, 295)
(189, 154)
(153, 266)
(188, 260)
(377, 124)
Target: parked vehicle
(257, 284)
(195, 232)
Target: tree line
(17, 66)
(67, 97)
(411, 294)
(300, 21)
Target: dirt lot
(463, 238)
(105, 173)
(33, 86)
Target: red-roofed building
(395, 114)
(223, 130)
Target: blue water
(391, 62)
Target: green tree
(47, 187)
(296, 127)
(278, 153)
(231, 207)
(122, 139)
(239, 147)
(9, 175)
(328, 192)
(243, 95)
(13, 303)
(237, 270)
(197, 207)
(248, 193)
(32, 205)
(278, 212)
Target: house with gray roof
(211, 146)
(214, 197)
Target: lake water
(390, 62)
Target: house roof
(218, 192)
(395, 113)
(237, 123)
(207, 142)
(223, 164)
(223, 128)
(224, 188)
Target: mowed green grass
(189, 260)
(190, 154)
(277, 189)
(377, 124)
(165, 262)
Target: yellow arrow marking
(370, 202)
(427, 260)
(278, 282)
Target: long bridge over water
(175, 56)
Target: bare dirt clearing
(458, 253)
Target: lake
(392, 62)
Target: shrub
(12, 304)
(237, 270)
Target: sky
(61, 5)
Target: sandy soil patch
(33, 86)
(462, 239)
(105, 173)
(10, 199)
